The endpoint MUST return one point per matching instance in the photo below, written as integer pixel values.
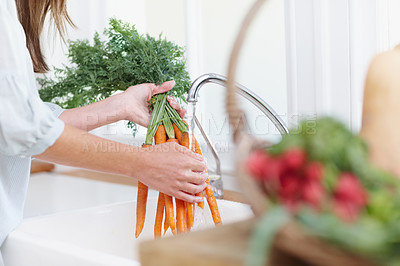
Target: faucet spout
(245, 92)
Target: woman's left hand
(135, 101)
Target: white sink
(50, 193)
(95, 236)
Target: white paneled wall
(262, 65)
(330, 46)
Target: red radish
(349, 197)
(314, 171)
(345, 210)
(273, 169)
(350, 190)
(290, 186)
(313, 193)
(256, 163)
(294, 158)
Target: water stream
(189, 117)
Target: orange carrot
(169, 207)
(159, 215)
(197, 147)
(178, 132)
(180, 216)
(141, 204)
(198, 151)
(190, 214)
(160, 136)
(166, 224)
(212, 203)
(173, 140)
(200, 204)
(141, 207)
(185, 140)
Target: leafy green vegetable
(377, 232)
(103, 67)
(328, 141)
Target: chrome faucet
(216, 181)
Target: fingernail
(199, 199)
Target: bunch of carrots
(167, 126)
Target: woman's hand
(130, 105)
(135, 101)
(173, 170)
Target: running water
(199, 217)
(190, 115)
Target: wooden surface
(228, 245)
(221, 246)
(38, 166)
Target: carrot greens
(118, 59)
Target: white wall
(330, 46)
(262, 65)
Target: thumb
(166, 86)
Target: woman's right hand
(174, 170)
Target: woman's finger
(166, 86)
(193, 189)
(182, 112)
(196, 178)
(188, 197)
(174, 104)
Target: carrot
(166, 224)
(169, 207)
(173, 140)
(185, 140)
(159, 215)
(212, 202)
(197, 147)
(178, 132)
(200, 204)
(141, 207)
(160, 136)
(190, 214)
(198, 151)
(141, 203)
(180, 216)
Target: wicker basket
(292, 245)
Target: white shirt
(27, 125)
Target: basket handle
(236, 115)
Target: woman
(29, 128)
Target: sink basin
(98, 236)
(50, 193)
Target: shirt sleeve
(55, 109)
(27, 126)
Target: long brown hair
(32, 15)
